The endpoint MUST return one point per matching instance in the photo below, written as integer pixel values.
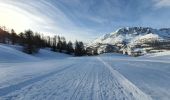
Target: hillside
(14, 53)
(132, 41)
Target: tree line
(32, 42)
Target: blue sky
(83, 19)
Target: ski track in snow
(12, 88)
(88, 79)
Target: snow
(113, 54)
(151, 75)
(165, 55)
(148, 37)
(11, 54)
(132, 37)
(47, 54)
(55, 76)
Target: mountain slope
(134, 39)
(13, 54)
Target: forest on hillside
(32, 42)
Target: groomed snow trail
(89, 78)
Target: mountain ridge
(130, 37)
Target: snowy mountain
(133, 39)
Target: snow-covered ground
(150, 73)
(55, 76)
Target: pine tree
(59, 44)
(4, 35)
(21, 38)
(79, 49)
(64, 44)
(82, 48)
(1, 35)
(48, 41)
(29, 46)
(13, 37)
(69, 48)
(54, 43)
(38, 41)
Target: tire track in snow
(94, 87)
(97, 87)
(78, 86)
(67, 83)
(56, 90)
(53, 87)
(83, 82)
(6, 90)
(86, 85)
(100, 88)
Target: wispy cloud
(41, 16)
(162, 3)
(83, 19)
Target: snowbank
(113, 55)
(11, 54)
(47, 54)
(160, 55)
